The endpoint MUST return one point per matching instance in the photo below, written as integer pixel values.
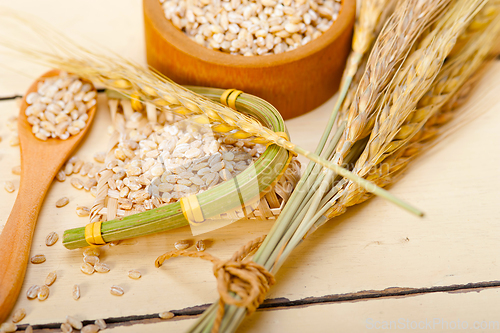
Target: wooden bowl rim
(154, 10)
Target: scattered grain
(90, 329)
(101, 267)
(66, 328)
(29, 329)
(32, 292)
(101, 323)
(43, 293)
(38, 259)
(61, 176)
(8, 327)
(87, 268)
(166, 315)
(92, 251)
(51, 277)
(76, 292)
(82, 211)
(75, 323)
(116, 290)
(16, 170)
(51, 238)
(62, 202)
(18, 315)
(9, 186)
(134, 274)
(200, 245)
(77, 183)
(182, 244)
(91, 260)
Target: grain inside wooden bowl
(295, 82)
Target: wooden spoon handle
(15, 240)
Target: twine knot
(240, 283)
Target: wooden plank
(374, 246)
(440, 312)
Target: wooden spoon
(40, 162)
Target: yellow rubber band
(93, 234)
(225, 95)
(192, 210)
(231, 100)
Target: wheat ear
(129, 78)
(448, 92)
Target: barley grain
(101, 267)
(200, 245)
(29, 329)
(16, 170)
(32, 292)
(18, 315)
(101, 323)
(92, 260)
(62, 202)
(77, 183)
(82, 211)
(166, 315)
(61, 176)
(75, 323)
(182, 244)
(116, 290)
(51, 238)
(8, 327)
(87, 268)
(76, 292)
(92, 251)
(51, 278)
(66, 328)
(38, 259)
(92, 328)
(43, 293)
(134, 274)
(9, 186)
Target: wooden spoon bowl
(294, 82)
(40, 162)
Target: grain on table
(9, 186)
(51, 238)
(75, 323)
(62, 202)
(18, 315)
(51, 278)
(76, 292)
(43, 293)
(101, 267)
(87, 268)
(134, 274)
(182, 244)
(32, 291)
(166, 315)
(116, 290)
(38, 259)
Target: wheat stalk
(129, 78)
(448, 92)
(389, 51)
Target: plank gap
(283, 303)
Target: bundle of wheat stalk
(130, 79)
(392, 104)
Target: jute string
(246, 279)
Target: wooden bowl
(294, 82)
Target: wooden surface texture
(375, 264)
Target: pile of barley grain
(158, 163)
(59, 108)
(252, 27)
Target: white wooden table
(372, 266)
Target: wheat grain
(18, 315)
